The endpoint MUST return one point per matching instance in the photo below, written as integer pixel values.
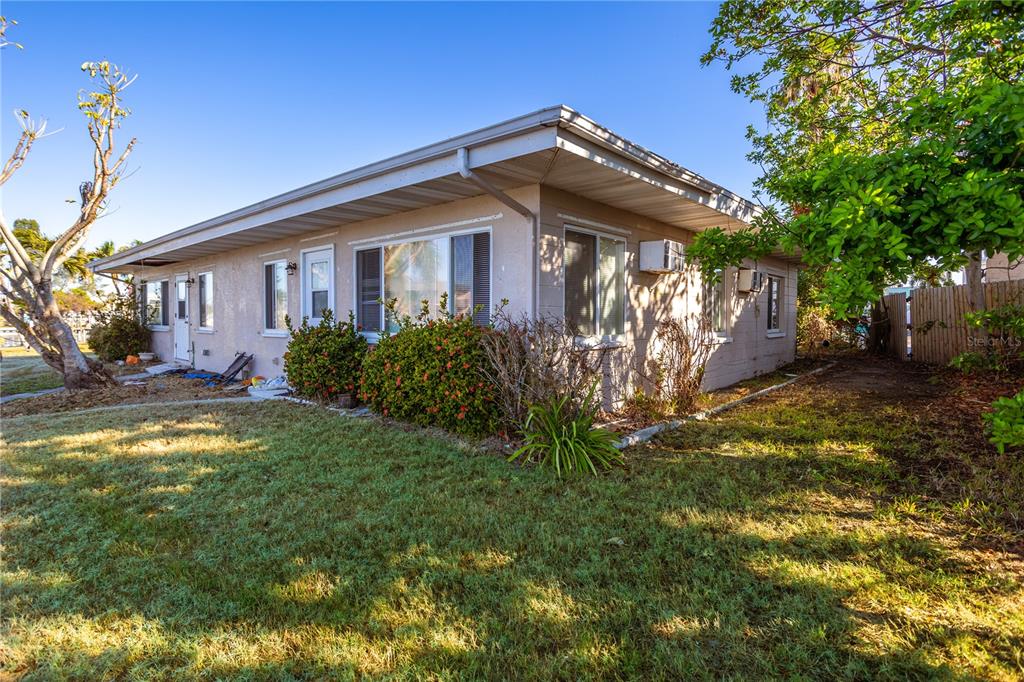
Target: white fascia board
(737, 208)
(441, 165)
(589, 129)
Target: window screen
(206, 300)
(155, 302)
(714, 303)
(580, 281)
(595, 284)
(275, 295)
(774, 304)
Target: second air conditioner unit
(748, 280)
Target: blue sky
(236, 102)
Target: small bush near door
(324, 361)
(429, 373)
(119, 331)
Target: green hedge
(323, 361)
(429, 373)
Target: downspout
(481, 182)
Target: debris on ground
(236, 366)
(265, 389)
(164, 368)
(168, 388)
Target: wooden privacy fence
(928, 324)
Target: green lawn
(271, 541)
(22, 371)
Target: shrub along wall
(429, 373)
(323, 361)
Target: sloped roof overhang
(556, 146)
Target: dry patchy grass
(270, 541)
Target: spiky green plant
(563, 438)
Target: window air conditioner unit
(748, 280)
(661, 255)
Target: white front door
(317, 283)
(181, 340)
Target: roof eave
(546, 117)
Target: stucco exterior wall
(238, 276)
(650, 298)
(747, 350)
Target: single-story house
(550, 211)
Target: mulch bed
(157, 389)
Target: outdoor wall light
(291, 268)
(189, 282)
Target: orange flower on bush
(445, 395)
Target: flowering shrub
(323, 361)
(429, 373)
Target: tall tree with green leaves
(28, 298)
(893, 139)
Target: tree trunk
(878, 331)
(78, 370)
(975, 287)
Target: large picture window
(275, 295)
(595, 284)
(416, 271)
(155, 303)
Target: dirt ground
(156, 389)
(632, 418)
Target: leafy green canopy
(894, 136)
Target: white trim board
(593, 223)
(397, 236)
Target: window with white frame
(714, 303)
(595, 283)
(411, 272)
(206, 300)
(774, 304)
(317, 287)
(275, 295)
(156, 302)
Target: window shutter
(143, 307)
(268, 296)
(369, 293)
(482, 278)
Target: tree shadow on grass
(280, 543)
